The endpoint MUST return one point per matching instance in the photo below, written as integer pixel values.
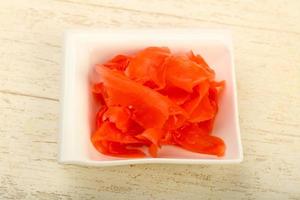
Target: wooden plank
(32, 34)
(28, 150)
(245, 14)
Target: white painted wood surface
(267, 55)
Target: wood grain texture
(267, 56)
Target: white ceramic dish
(84, 48)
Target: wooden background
(267, 56)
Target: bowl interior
(84, 50)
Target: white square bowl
(85, 48)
